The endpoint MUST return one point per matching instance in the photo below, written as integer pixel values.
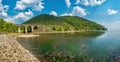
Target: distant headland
(50, 23)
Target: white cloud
(22, 16)
(90, 2)
(53, 13)
(3, 10)
(36, 5)
(66, 14)
(85, 2)
(77, 1)
(3, 14)
(9, 19)
(111, 11)
(68, 3)
(77, 11)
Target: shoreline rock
(27, 35)
(12, 51)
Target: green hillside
(45, 19)
(65, 23)
(52, 22)
(82, 23)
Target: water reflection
(75, 47)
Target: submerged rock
(12, 51)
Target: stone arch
(22, 29)
(29, 29)
(35, 27)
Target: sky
(105, 12)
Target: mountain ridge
(67, 23)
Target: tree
(7, 27)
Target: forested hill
(66, 22)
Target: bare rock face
(12, 51)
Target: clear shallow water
(75, 47)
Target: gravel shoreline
(12, 51)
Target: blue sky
(105, 12)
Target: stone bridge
(27, 27)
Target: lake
(91, 46)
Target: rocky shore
(12, 51)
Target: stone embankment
(12, 51)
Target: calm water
(75, 47)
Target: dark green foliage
(57, 28)
(46, 20)
(22, 29)
(82, 24)
(7, 27)
(68, 23)
(2, 24)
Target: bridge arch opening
(22, 29)
(29, 29)
(35, 27)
